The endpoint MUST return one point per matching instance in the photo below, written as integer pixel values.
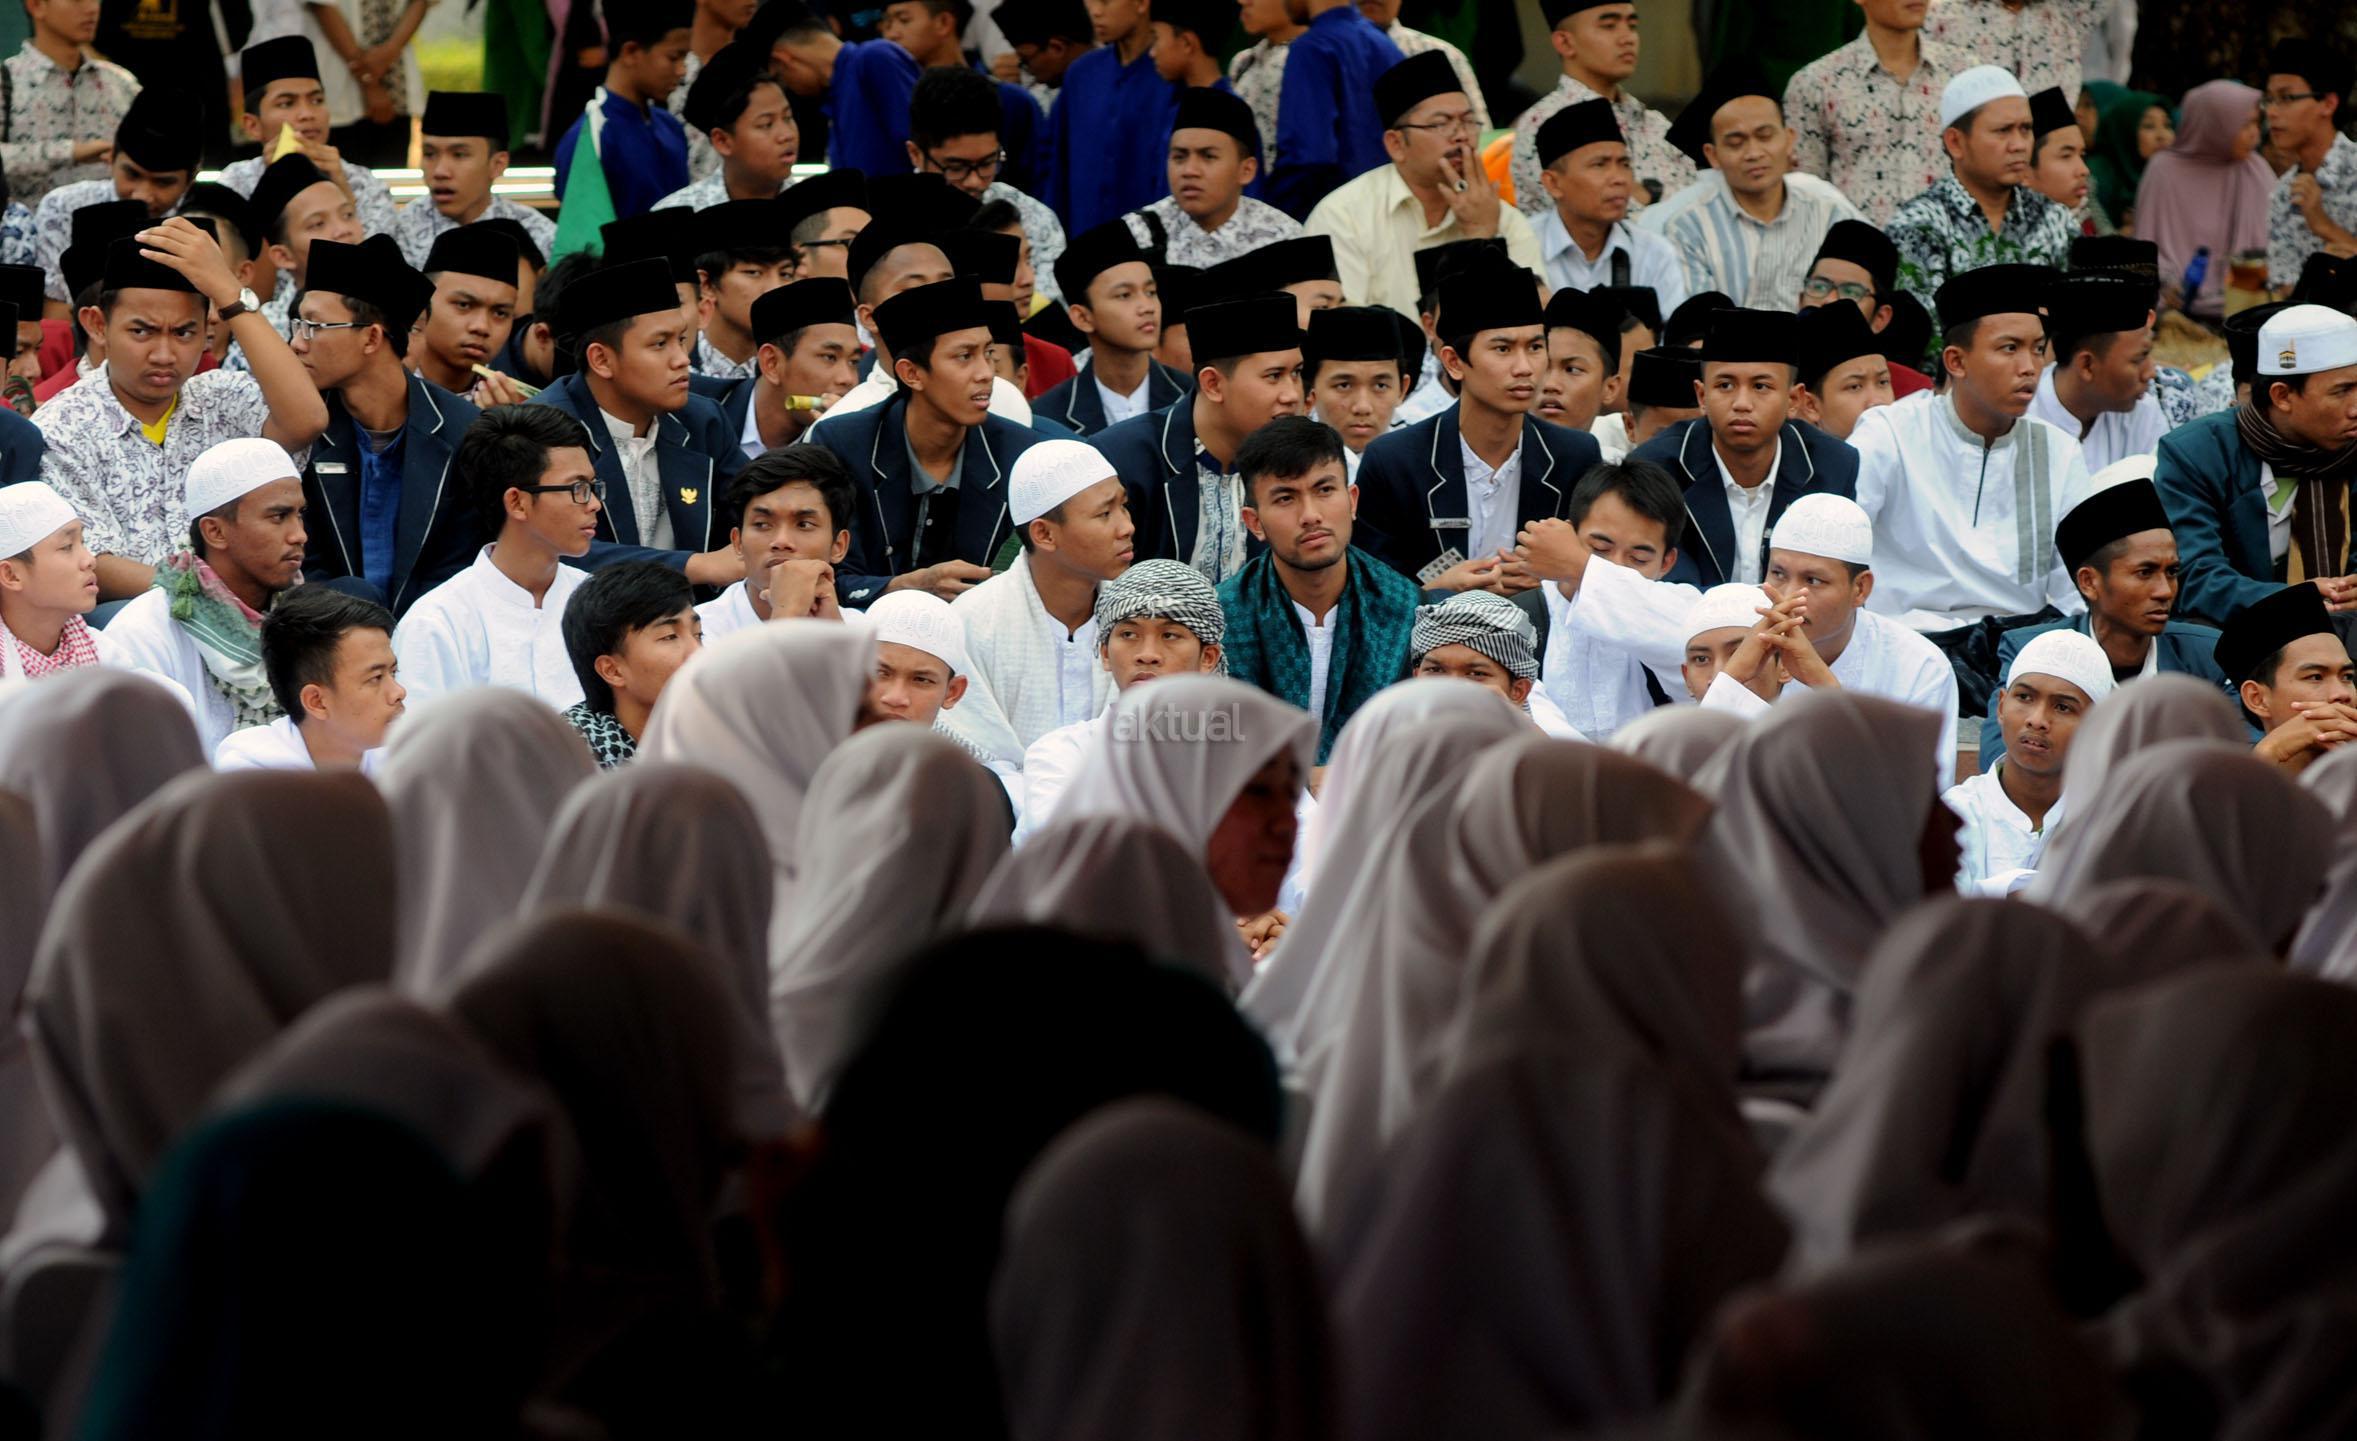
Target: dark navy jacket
(436, 533)
(696, 455)
(873, 443)
(2184, 648)
(1154, 454)
(1412, 481)
(2209, 483)
(1078, 407)
(21, 448)
(1812, 463)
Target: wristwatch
(246, 300)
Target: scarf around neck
(1265, 645)
(2320, 527)
(227, 632)
(76, 646)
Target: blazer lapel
(617, 519)
(335, 464)
(1444, 491)
(687, 479)
(425, 470)
(1182, 498)
(1542, 492)
(1713, 523)
(888, 486)
(1086, 410)
(982, 500)
(1163, 385)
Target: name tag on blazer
(332, 467)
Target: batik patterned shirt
(1256, 223)
(2041, 43)
(1257, 75)
(2289, 240)
(128, 490)
(372, 203)
(1942, 232)
(419, 225)
(1875, 136)
(50, 111)
(1650, 153)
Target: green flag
(587, 206)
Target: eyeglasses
(1818, 288)
(582, 491)
(310, 329)
(2287, 99)
(1446, 125)
(956, 170)
(823, 244)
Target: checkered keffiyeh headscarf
(1488, 623)
(1165, 588)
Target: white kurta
(1962, 529)
(1647, 620)
(480, 628)
(2001, 848)
(2116, 434)
(1049, 764)
(1028, 676)
(277, 746)
(1597, 686)
(727, 613)
(143, 636)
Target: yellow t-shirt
(155, 432)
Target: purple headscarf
(2195, 193)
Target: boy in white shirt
(329, 656)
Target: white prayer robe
(480, 628)
(1964, 530)
(2116, 434)
(143, 636)
(277, 746)
(1028, 676)
(1647, 619)
(727, 613)
(109, 653)
(2001, 849)
(1596, 685)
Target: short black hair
(609, 606)
(811, 465)
(565, 358)
(2064, 343)
(795, 20)
(952, 100)
(300, 635)
(713, 264)
(508, 446)
(363, 313)
(996, 216)
(1289, 446)
(643, 23)
(1642, 486)
(226, 514)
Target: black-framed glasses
(582, 491)
(1819, 288)
(302, 329)
(956, 170)
(2293, 99)
(1446, 125)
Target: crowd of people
(1576, 772)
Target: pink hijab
(2195, 193)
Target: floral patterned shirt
(371, 201)
(2042, 43)
(1942, 233)
(2289, 240)
(16, 239)
(1257, 75)
(419, 225)
(1650, 151)
(1256, 223)
(129, 491)
(50, 111)
(1416, 42)
(53, 229)
(1875, 136)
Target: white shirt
(727, 613)
(2279, 513)
(1321, 654)
(1598, 686)
(750, 442)
(1612, 435)
(1748, 506)
(143, 636)
(1120, 407)
(643, 478)
(1495, 497)
(1647, 620)
(1965, 529)
(2116, 434)
(1652, 261)
(2001, 848)
(1027, 675)
(480, 628)
(1049, 764)
(277, 746)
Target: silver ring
(1460, 187)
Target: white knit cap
(30, 512)
(2304, 339)
(2066, 655)
(922, 621)
(236, 468)
(1833, 526)
(1969, 90)
(1723, 607)
(1051, 473)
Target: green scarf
(1265, 646)
(227, 634)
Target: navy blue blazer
(1078, 407)
(735, 399)
(696, 454)
(2185, 649)
(1412, 503)
(1812, 463)
(1154, 454)
(436, 532)
(2209, 484)
(21, 448)
(873, 444)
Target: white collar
(507, 592)
(625, 434)
(1742, 494)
